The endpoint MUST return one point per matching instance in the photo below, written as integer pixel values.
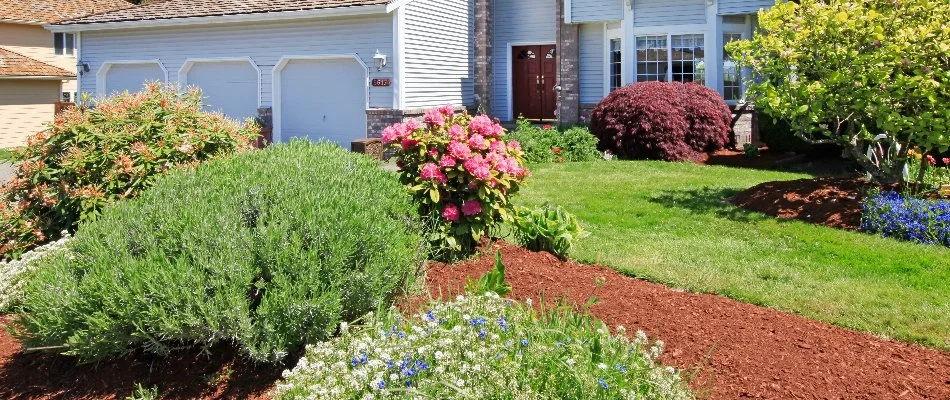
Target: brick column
(568, 78)
(484, 46)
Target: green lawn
(670, 223)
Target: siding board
(730, 7)
(668, 12)
(591, 38)
(596, 10)
(264, 43)
(439, 53)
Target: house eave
(21, 22)
(37, 77)
(221, 19)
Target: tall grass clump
(268, 251)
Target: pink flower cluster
(458, 164)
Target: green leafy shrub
(546, 144)
(91, 157)
(548, 228)
(484, 347)
(13, 272)
(751, 150)
(268, 250)
(846, 71)
(462, 172)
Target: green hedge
(548, 144)
(269, 250)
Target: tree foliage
(852, 71)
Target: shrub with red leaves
(668, 121)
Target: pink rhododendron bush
(462, 172)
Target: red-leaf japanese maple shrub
(709, 118)
(668, 121)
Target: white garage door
(228, 87)
(131, 77)
(323, 99)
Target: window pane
(651, 58)
(616, 64)
(731, 74)
(58, 43)
(688, 58)
(69, 44)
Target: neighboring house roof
(40, 12)
(171, 9)
(16, 65)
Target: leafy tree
(859, 73)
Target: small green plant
(493, 281)
(547, 144)
(268, 251)
(144, 393)
(548, 228)
(751, 150)
(484, 347)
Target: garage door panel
(228, 87)
(323, 99)
(131, 77)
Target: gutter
(220, 19)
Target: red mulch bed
(741, 350)
(737, 350)
(188, 374)
(834, 202)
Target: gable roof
(171, 9)
(16, 65)
(39, 12)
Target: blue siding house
(344, 69)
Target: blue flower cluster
(918, 220)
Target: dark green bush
(268, 250)
(547, 144)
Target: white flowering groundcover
(483, 347)
(12, 272)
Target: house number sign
(381, 82)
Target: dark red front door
(534, 71)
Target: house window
(679, 58)
(616, 64)
(68, 97)
(652, 58)
(731, 73)
(64, 43)
(688, 58)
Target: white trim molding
(106, 66)
(223, 19)
(509, 75)
(279, 67)
(399, 45)
(397, 4)
(189, 63)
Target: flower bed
(918, 220)
(547, 144)
(483, 347)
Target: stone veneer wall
(484, 46)
(568, 76)
(745, 125)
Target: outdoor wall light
(83, 67)
(380, 60)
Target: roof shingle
(13, 64)
(168, 9)
(49, 11)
